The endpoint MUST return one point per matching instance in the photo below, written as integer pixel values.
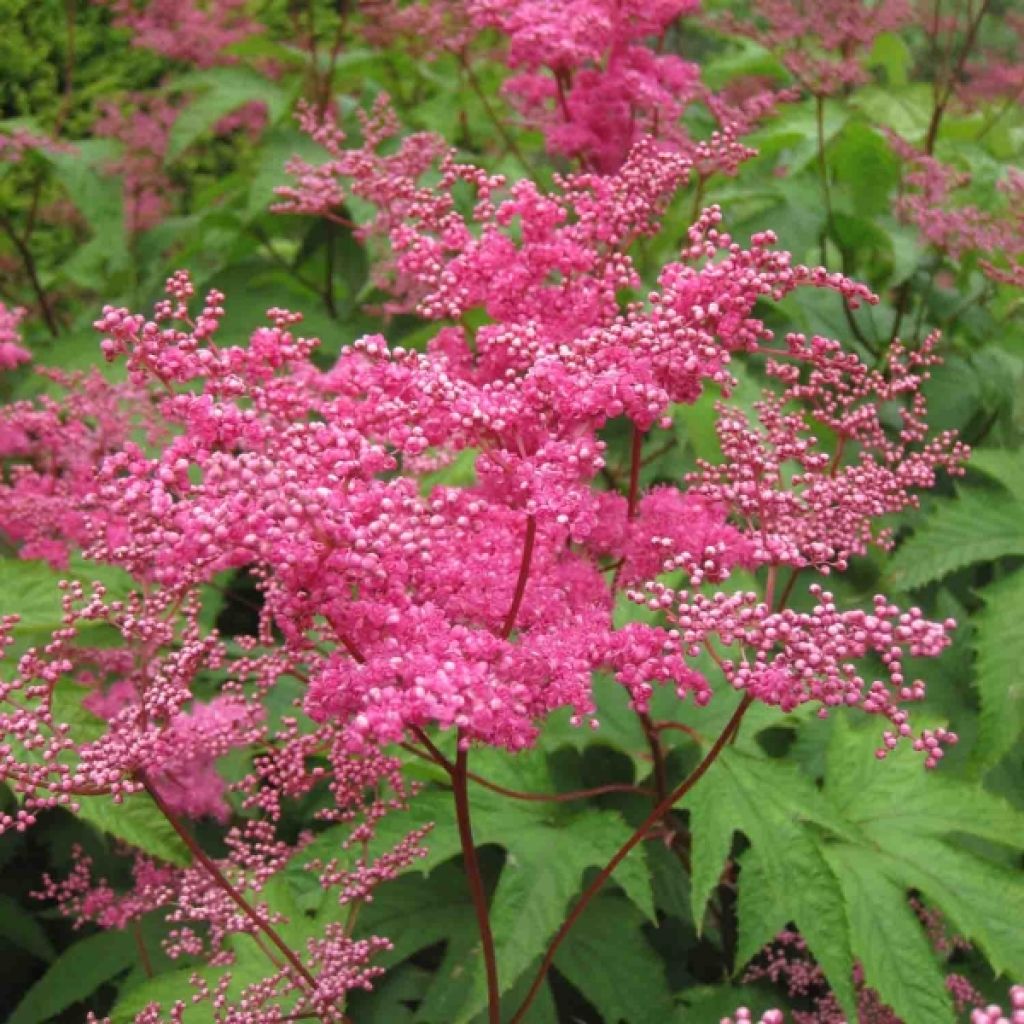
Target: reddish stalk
(519, 794)
(140, 945)
(476, 884)
(32, 272)
(635, 462)
(221, 880)
(657, 755)
(524, 573)
(634, 840)
(679, 727)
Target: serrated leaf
(999, 645)
(74, 975)
(543, 872)
(1005, 467)
(976, 527)
(897, 796)
(609, 960)
(137, 822)
(902, 818)
(716, 808)
(888, 939)
(784, 876)
(225, 89)
(983, 902)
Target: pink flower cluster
(996, 1015)
(142, 123)
(399, 604)
(586, 75)
(587, 72)
(12, 353)
(53, 448)
(822, 45)
(193, 31)
(787, 961)
(744, 1016)
(929, 202)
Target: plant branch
(29, 263)
(499, 124)
(221, 880)
(476, 884)
(524, 573)
(634, 840)
(518, 794)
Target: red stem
(524, 573)
(634, 472)
(519, 794)
(606, 872)
(223, 883)
(476, 884)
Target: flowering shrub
(481, 542)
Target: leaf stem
(634, 840)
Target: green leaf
(74, 975)
(866, 167)
(983, 902)
(607, 957)
(898, 796)
(35, 595)
(977, 527)
(415, 912)
(543, 871)
(712, 1003)
(95, 192)
(137, 822)
(224, 90)
(892, 54)
(19, 927)
(784, 877)
(999, 645)
(1003, 466)
(890, 943)
(392, 997)
(902, 819)
(276, 149)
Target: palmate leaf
(999, 677)
(894, 952)
(897, 797)
(983, 902)
(609, 960)
(907, 825)
(978, 526)
(784, 876)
